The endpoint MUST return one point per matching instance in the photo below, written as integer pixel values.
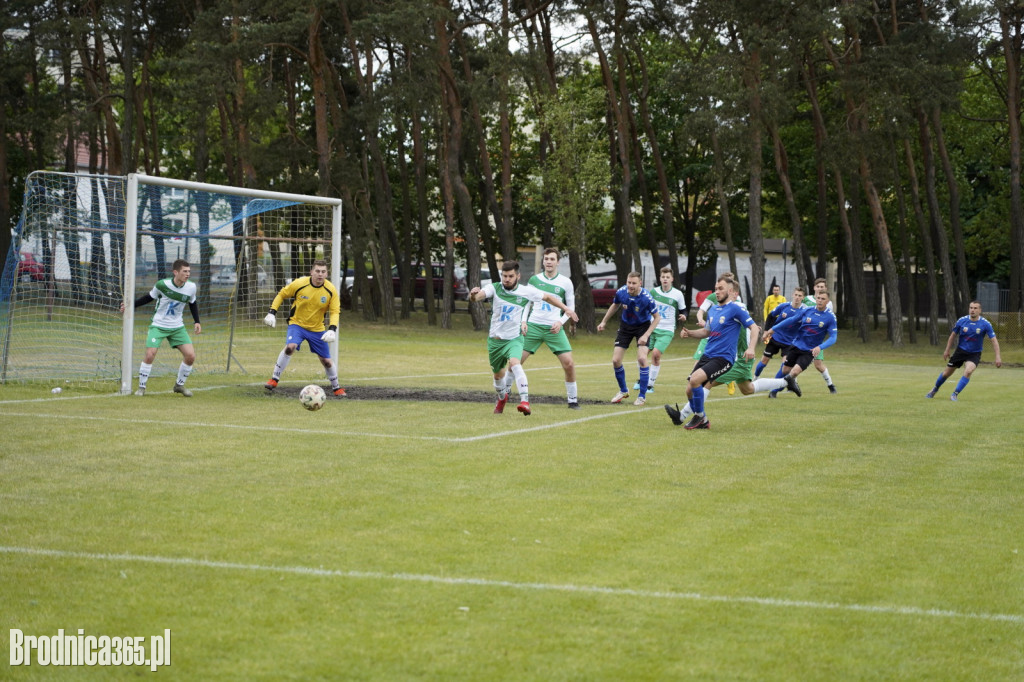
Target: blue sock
(697, 402)
(645, 375)
(780, 373)
(760, 368)
(962, 384)
(620, 376)
(938, 382)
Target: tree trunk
(963, 295)
(752, 81)
(926, 245)
(723, 199)
(905, 246)
(1010, 17)
(795, 220)
(854, 258)
(419, 157)
(810, 80)
(486, 174)
(894, 308)
(452, 176)
(659, 169)
(938, 228)
(620, 120)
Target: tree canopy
(882, 137)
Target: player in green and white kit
(171, 296)
(543, 324)
(505, 340)
(671, 307)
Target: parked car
(228, 277)
(602, 290)
(29, 269)
(460, 290)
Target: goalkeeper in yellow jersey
(312, 297)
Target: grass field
(873, 534)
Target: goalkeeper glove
(271, 319)
(329, 336)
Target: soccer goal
(85, 243)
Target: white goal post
(87, 242)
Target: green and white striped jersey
(507, 308)
(171, 302)
(669, 305)
(561, 288)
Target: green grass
(869, 535)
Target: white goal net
(86, 242)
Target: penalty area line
(571, 588)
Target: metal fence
(995, 306)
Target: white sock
(826, 377)
(499, 385)
(509, 376)
(687, 412)
(332, 376)
(764, 385)
(282, 361)
(144, 371)
(654, 369)
(521, 385)
(183, 372)
(570, 391)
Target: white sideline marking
(508, 584)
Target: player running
(545, 325)
(171, 296)
(780, 341)
(817, 329)
(725, 322)
(505, 340)
(313, 297)
(820, 285)
(739, 373)
(970, 332)
(639, 319)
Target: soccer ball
(312, 397)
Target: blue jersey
(636, 310)
(725, 322)
(812, 327)
(972, 333)
(782, 312)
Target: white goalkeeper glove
(329, 336)
(270, 320)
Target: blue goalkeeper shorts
(297, 335)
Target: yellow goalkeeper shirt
(310, 303)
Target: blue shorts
(297, 335)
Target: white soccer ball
(312, 397)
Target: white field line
(297, 381)
(771, 602)
(624, 412)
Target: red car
(29, 269)
(602, 290)
(460, 290)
